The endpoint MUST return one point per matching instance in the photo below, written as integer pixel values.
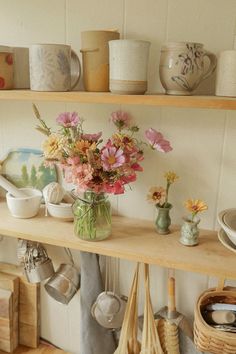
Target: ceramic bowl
(61, 211)
(25, 207)
(224, 222)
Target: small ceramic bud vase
(190, 232)
(163, 220)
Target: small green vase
(163, 220)
(189, 232)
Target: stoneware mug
(21, 67)
(128, 66)
(53, 67)
(226, 74)
(6, 68)
(183, 67)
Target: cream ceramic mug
(183, 67)
(53, 67)
(6, 68)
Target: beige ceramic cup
(21, 67)
(128, 66)
(226, 74)
(53, 67)
(6, 68)
(183, 67)
(95, 58)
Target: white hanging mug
(53, 67)
(183, 68)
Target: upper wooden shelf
(160, 100)
(131, 239)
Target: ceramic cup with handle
(183, 67)
(53, 67)
(6, 68)
(21, 67)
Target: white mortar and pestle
(23, 203)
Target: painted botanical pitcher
(183, 67)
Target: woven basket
(207, 338)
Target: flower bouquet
(94, 167)
(160, 197)
(189, 229)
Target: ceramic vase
(6, 68)
(183, 67)
(92, 216)
(190, 232)
(163, 220)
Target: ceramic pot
(6, 68)
(26, 206)
(128, 66)
(189, 232)
(183, 67)
(95, 59)
(226, 73)
(163, 220)
(53, 67)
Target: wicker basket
(207, 338)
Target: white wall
(204, 141)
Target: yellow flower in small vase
(159, 196)
(189, 229)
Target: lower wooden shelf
(131, 239)
(42, 349)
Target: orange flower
(195, 206)
(156, 195)
(82, 146)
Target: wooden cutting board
(6, 319)
(11, 282)
(29, 307)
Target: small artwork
(25, 168)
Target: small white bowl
(230, 232)
(61, 211)
(25, 207)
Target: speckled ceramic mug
(6, 68)
(53, 67)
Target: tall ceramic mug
(6, 68)
(53, 67)
(183, 67)
(226, 74)
(128, 66)
(95, 59)
(21, 67)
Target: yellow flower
(195, 206)
(156, 195)
(171, 177)
(83, 146)
(52, 147)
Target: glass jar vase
(92, 216)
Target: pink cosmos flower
(116, 188)
(68, 120)
(157, 141)
(112, 158)
(92, 137)
(120, 119)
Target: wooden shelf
(131, 239)
(160, 100)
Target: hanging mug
(183, 67)
(53, 67)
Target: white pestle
(13, 190)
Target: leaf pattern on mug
(191, 59)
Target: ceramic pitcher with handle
(183, 67)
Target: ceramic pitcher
(53, 67)
(183, 67)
